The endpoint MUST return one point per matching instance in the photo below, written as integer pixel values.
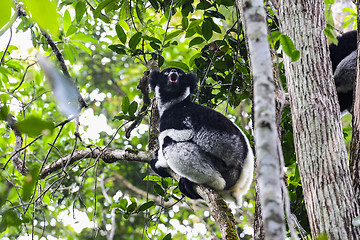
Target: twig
(132, 17)
(20, 149)
(58, 54)
(23, 78)
(212, 60)
(7, 47)
(166, 28)
(64, 69)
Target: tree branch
(355, 141)
(219, 210)
(58, 54)
(18, 163)
(108, 155)
(218, 207)
(266, 137)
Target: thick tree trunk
(319, 142)
(355, 141)
(266, 138)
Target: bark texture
(266, 138)
(355, 142)
(319, 143)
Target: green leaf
(330, 35)
(159, 190)
(80, 10)
(125, 105)
(146, 206)
(29, 183)
(349, 10)
(34, 126)
(139, 13)
(69, 54)
(168, 237)
(155, 46)
(184, 23)
(44, 13)
(9, 218)
(347, 22)
(196, 41)
(132, 108)
(207, 29)
(154, 4)
(4, 112)
(193, 58)
(114, 205)
(322, 236)
(120, 33)
(195, 23)
(214, 14)
(123, 204)
(173, 34)
(275, 36)
(181, 65)
(101, 6)
(121, 117)
(151, 39)
(220, 65)
(289, 48)
(186, 9)
(66, 21)
(134, 40)
(203, 5)
(161, 61)
(215, 27)
(82, 47)
(227, 3)
(83, 37)
(72, 29)
(132, 207)
(152, 178)
(118, 48)
(5, 12)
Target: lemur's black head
(172, 83)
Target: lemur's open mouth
(174, 77)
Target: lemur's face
(172, 83)
(172, 80)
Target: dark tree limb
(355, 141)
(18, 163)
(61, 60)
(108, 155)
(57, 53)
(220, 211)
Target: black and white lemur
(198, 143)
(343, 59)
(203, 146)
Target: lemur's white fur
(163, 106)
(191, 154)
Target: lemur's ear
(193, 80)
(153, 78)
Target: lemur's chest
(179, 118)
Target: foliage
(107, 46)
